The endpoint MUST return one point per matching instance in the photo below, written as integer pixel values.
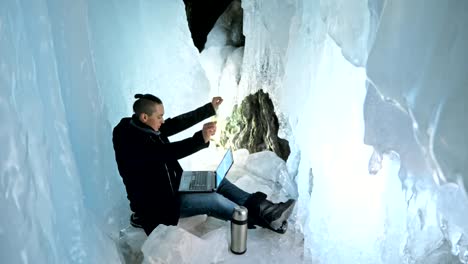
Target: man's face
(155, 120)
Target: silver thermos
(239, 230)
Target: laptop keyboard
(199, 181)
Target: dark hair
(144, 103)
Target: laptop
(206, 181)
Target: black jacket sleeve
(179, 123)
(170, 151)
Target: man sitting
(148, 164)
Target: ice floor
(202, 239)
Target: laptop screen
(224, 166)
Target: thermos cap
(240, 213)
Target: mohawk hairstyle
(145, 103)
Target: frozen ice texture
(348, 23)
(370, 94)
(410, 98)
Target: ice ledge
(202, 239)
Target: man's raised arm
(179, 123)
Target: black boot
(266, 214)
(275, 214)
(136, 221)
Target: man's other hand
(217, 100)
(209, 129)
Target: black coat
(148, 164)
